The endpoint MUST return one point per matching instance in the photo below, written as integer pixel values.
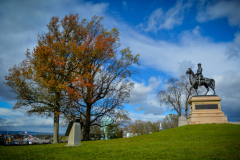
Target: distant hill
(29, 133)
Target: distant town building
(160, 127)
(131, 135)
(104, 122)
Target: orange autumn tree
(67, 67)
(106, 83)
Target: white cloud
(184, 65)
(228, 85)
(141, 91)
(23, 20)
(154, 111)
(173, 17)
(221, 9)
(15, 120)
(233, 49)
(145, 117)
(192, 46)
(228, 88)
(174, 58)
(125, 6)
(145, 96)
(87, 9)
(10, 112)
(140, 108)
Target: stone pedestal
(124, 134)
(106, 136)
(74, 138)
(182, 121)
(206, 109)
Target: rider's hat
(199, 63)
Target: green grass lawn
(206, 141)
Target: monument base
(75, 135)
(206, 109)
(182, 121)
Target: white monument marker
(75, 134)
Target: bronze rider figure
(199, 73)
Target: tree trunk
(56, 119)
(186, 109)
(56, 128)
(87, 123)
(179, 111)
(86, 130)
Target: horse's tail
(213, 83)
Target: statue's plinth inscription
(207, 106)
(206, 109)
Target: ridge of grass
(203, 141)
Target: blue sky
(170, 37)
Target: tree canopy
(75, 68)
(170, 121)
(176, 95)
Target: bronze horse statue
(195, 82)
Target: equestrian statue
(198, 80)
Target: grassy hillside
(206, 141)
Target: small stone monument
(106, 136)
(160, 127)
(124, 134)
(74, 133)
(182, 121)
